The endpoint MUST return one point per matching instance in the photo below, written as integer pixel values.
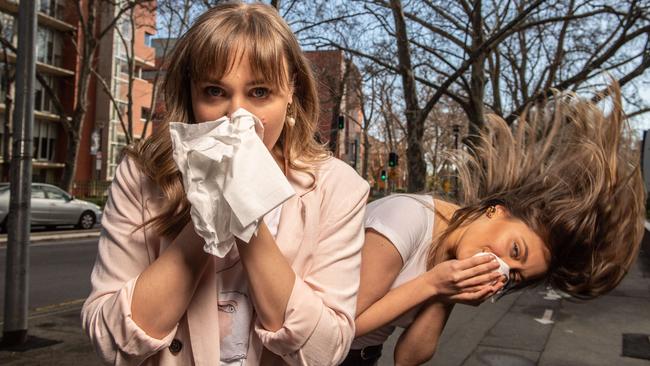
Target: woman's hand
(469, 281)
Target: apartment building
(341, 117)
(58, 62)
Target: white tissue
(504, 269)
(230, 178)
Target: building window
(48, 48)
(117, 142)
(121, 89)
(53, 8)
(3, 83)
(145, 113)
(42, 99)
(9, 30)
(148, 39)
(121, 68)
(45, 134)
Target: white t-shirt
(406, 220)
(235, 308)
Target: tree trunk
(416, 165)
(477, 81)
(366, 153)
(89, 45)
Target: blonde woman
(559, 199)
(157, 298)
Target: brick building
(58, 62)
(340, 105)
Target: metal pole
(17, 267)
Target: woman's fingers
(481, 294)
(471, 262)
(480, 280)
(478, 270)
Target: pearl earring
(490, 211)
(291, 121)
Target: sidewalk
(59, 330)
(40, 236)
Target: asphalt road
(59, 272)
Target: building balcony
(44, 115)
(41, 67)
(11, 6)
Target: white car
(52, 206)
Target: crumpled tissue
(230, 178)
(504, 269)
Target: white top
(406, 220)
(235, 308)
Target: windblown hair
(570, 172)
(211, 48)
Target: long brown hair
(211, 46)
(570, 172)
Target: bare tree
(492, 56)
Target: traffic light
(392, 159)
(383, 175)
(341, 121)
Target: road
(59, 272)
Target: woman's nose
(235, 103)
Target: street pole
(17, 267)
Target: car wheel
(87, 220)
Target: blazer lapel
(293, 217)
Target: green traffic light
(383, 175)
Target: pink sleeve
(319, 320)
(122, 256)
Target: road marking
(59, 305)
(546, 318)
(54, 309)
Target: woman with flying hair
(157, 298)
(558, 198)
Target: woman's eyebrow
(256, 82)
(525, 257)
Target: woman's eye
(515, 250)
(214, 91)
(227, 308)
(260, 92)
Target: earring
(490, 211)
(291, 120)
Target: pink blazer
(320, 233)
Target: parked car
(52, 206)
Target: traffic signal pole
(17, 267)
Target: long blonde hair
(211, 46)
(570, 171)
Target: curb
(51, 236)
